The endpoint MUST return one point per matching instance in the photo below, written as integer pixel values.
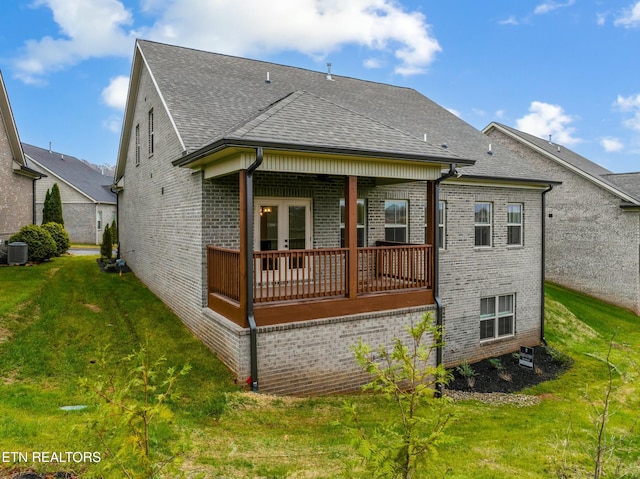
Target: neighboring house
(17, 178)
(283, 214)
(593, 219)
(88, 204)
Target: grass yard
(56, 319)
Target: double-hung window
(395, 221)
(362, 218)
(497, 316)
(514, 224)
(151, 132)
(482, 224)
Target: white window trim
(520, 224)
(489, 224)
(497, 315)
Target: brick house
(88, 204)
(17, 178)
(284, 213)
(593, 219)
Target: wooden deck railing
(388, 268)
(321, 273)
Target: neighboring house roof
(74, 172)
(6, 114)
(212, 98)
(626, 186)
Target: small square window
(497, 316)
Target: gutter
(436, 266)
(253, 330)
(543, 261)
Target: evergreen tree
(56, 205)
(46, 208)
(114, 233)
(106, 247)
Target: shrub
(106, 247)
(59, 235)
(52, 210)
(39, 241)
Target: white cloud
(115, 94)
(313, 27)
(373, 63)
(512, 20)
(549, 6)
(545, 119)
(630, 17)
(630, 104)
(113, 124)
(611, 144)
(88, 28)
(500, 114)
(101, 28)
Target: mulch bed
(511, 377)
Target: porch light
(265, 209)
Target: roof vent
(550, 140)
(268, 80)
(490, 152)
(329, 77)
(445, 146)
(425, 137)
(558, 148)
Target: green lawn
(56, 318)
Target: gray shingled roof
(75, 172)
(628, 183)
(209, 94)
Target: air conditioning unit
(18, 253)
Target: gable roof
(6, 115)
(208, 96)
(625, 186)
(74, 172)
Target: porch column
(244, 267)
(351, 233)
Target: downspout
(33, 194)
(436, 263)
(543, 261)
(253, 330)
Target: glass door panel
(269, 234)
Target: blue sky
(566, 68)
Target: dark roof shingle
(208, 94)
(75, 172)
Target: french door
(282, 224)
